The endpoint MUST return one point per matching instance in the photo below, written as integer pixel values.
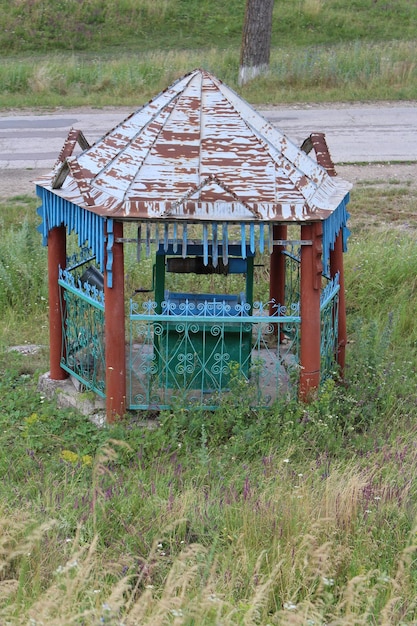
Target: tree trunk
(256, 39)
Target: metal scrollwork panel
(199, 358)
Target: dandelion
(86, 459)
(286, 460)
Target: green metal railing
(196, 353)
(83, 350)
(194, 357)
(329, 314)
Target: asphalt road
(355, 133)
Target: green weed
(186, 24)
(99, 53)
(296, 514)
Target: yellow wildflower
(32, 419)
(69, 456)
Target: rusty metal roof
(196, 152)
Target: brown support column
(336, 265)
(311, 268)
(115, 332)
(57, 257)
(277, 270)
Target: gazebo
(200, 182)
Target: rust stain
(199, 151)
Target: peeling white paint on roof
(198, 151)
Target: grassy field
(300, 515)
(98, 52)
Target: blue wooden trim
(225, 244)
(215, 243)
(252, 238)
(109, 248)
(261, 238)
(331, 227)
(56, 211)
(243, 240)
(184, 240)
(205, 244)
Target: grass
(99, 53)
(297, 515)
(301, 515)
(347, 72)
(139, 25)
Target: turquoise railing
(194, 352)
(329, 313)
(194, 355)
(83, 351)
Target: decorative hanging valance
(214, 237)
(90, 227)
(331, 228)
(218, 238)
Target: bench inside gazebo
(200, 182)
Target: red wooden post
(310, 288)
(115, 332)
(336, 265)
(57, 257)
(277, 269)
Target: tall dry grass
(301, 549)
(343, 72)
